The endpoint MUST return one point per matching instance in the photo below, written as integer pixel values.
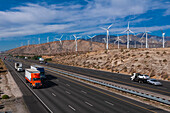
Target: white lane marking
(109, 103)
(19, 75)
(67, 84)
(68, 92)
(71, 107)
(83, 91)
(53, 94)
(88, 104)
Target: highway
(63, 95)
(114, 77)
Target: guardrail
(108, 84)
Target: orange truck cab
(32, 76)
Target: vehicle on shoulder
(154, 82)
(141, 78)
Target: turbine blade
(143, 35)
(103, 28)
(124, 31)
(93, 36)
(74, 36)
(128, 24)
(131, 31)
(89, 36)
(110, 26)
(61, 37)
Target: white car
(154, 82)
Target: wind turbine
(104, 40)
(91, 37)
(60, 39)
(107, 30)
(117, 40)
(128, 31)
(39, 40)
(141, 41)
(163, 36)
(47, 39)
(146, 33)
(76, 41)
(28, 42)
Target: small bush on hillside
(165, 60)
(48, 59)
(147, 53)
(164, 52)
(36, 57)
(5, 97)
(158, 53)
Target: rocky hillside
(154, 62)
(56, 47)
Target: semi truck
(32, 76)
(18, 66)
(40, 69)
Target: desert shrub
(147, 52)
(147, 56)
(164, 52)
(164, 60)
(36, 57)
(133, 55)
(136, 60)
(121, 50)
(158, 53)
(5, 97)
(125, 69)
(139, 66)
(48, 59)
(128, 54)
(165, 76)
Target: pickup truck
(18, 66)
(141, 78)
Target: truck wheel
(26, 81)
(140, 81)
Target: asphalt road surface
(63, 95)
(113, 77)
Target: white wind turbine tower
(60, 39)
(91, 37)
(107, 30)
(76, 41)
(47, 39)
(146, 33)
(163, 36)
(117, 40)
(39, 40)
(128, 31)
(28, 42)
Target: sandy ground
(15, 103)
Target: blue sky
(23, 20)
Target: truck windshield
(41, 70)
(35, 79)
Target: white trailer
(18, 66)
